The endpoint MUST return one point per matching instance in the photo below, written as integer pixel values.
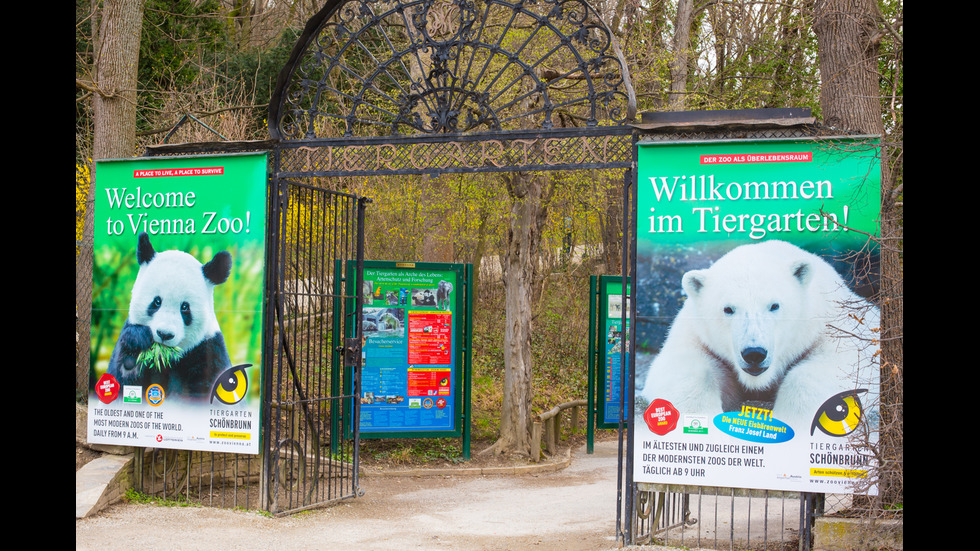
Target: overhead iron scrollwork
(367, 157)
(369, 68)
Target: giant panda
(172, 304)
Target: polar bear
(767, 323)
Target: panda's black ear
(144, 250)
(218, 269)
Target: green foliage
(195, 57)
(413, 451)
(444, 219)
(251, 73)
(135, 496)
(742, 55)
(487, 365)
(560, 341)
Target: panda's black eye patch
(729, 310)
(185, 313)
(154, 306)
(774, 307)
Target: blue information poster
(411, 380)
(614, 336)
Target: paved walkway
(571, 509)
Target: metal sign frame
(703, 127)
(397, 295)
(607, 367)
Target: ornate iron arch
(373, 68)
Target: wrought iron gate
(311, 414)
(398, 87)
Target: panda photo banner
(177, 295)
(756, 328)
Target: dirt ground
(571, 509)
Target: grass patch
(413, 451)
(135, 496)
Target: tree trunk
(677, 101)
(530, 196)
(850, 100)
(612, 227)
(848, 65)
(114, 118)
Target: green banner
(797, 191)
(177, 302)
(756, 329)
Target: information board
(611, 337)
(412, 375)
(756, 337)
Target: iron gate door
(311, 437)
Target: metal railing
(719, 518)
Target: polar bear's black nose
(164, 335)
(754, 356)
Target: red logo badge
(107, 389)
(661, 416)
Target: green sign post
(608, 335)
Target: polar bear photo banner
(177, 295)
(756, 327)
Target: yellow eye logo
(231, 385)
(839, 415)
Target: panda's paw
(134, 339)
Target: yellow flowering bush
(83, 179)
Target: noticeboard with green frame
(609, 333)
(415, 374)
